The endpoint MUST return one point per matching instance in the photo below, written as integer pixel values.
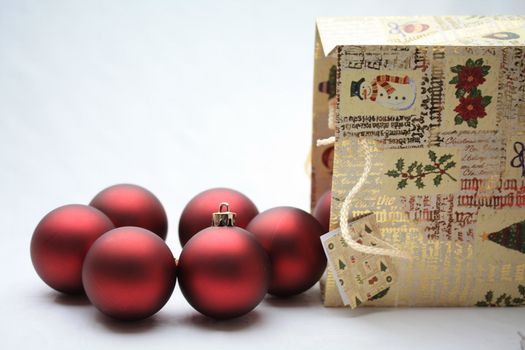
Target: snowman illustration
(390, 91)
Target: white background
(180, 97)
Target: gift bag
(427, 114)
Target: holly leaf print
(445, 157)
(485, 101)
(432, 155)
(437, 180)
(400, 164)
(454, 80)
(502, 300)
(489, 296)
(458, 120)
(419, 169)
(411, 167)
(392, 173)
(449, 165)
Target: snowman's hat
(355, 88)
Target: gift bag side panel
(323, 98)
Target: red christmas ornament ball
(61, 241)
(197, 214)
(132, 205)
(129, 273)
(223, 272)
(322, 210)
(291, 237)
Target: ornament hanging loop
(224, 217)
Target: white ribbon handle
(345, 208)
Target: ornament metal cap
(223, 218)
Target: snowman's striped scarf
(383, 81)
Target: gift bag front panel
(447, 184)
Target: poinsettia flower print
(470, 108)
(470, 77)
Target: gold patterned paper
(447, 182)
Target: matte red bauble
(129, 273)
(223, 272)
(197, 214)
(132, 205)
(291, 237)
(60, 243)
(322, 210)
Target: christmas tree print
(503, 299)
(438, 168)
(512, 237)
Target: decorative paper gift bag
(428, 114)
